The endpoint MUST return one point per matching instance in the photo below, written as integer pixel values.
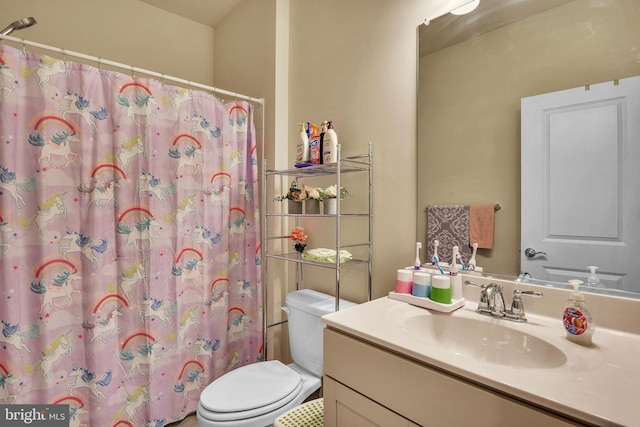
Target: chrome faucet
(496, 300)
(491, 301)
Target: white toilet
(255, 395)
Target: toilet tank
(305, 307)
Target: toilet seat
(250, 391)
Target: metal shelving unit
(354, 164)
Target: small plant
(300, 194)
(296, 194)
(332, 193)
(313, 192)
(298, 236)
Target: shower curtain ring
(132, 75)
(24, 47)
(100, 64)
(64, 55)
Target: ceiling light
(466, 8)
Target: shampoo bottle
(323, 131)
(302, 147)
(330, 153)
(577, 318)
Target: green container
(440, 295)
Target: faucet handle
(517, 306)
(483, 301)
(478, 285)
(518, 292)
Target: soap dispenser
(577, 318)
(593, 280)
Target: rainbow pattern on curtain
(129, 242)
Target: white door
(581, 184)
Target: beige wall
(125, 31)
(355, 63)
(469, 111)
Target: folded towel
(481, 222)
(449, 224)
(326, 255)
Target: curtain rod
(131, 68)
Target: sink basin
(484, 339)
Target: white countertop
(598, 384)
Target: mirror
(474, 70)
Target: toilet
(255, 395)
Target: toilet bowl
(255, 395)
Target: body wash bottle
(302, 148)
(330, 145)
(577, 318)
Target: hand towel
(481, 222)
(449, 224)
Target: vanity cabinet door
(344, 407)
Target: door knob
(530, 253)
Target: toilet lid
(252, 387)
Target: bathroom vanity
(390, 363)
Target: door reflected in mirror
(473, 72)
(580, 175)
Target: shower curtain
(129, 242)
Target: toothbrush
(453, 268)
(437, 264)
(459, 255)
(435, 253)
(417, 261)
(472, 261)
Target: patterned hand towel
(449, 224)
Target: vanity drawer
(419, 393)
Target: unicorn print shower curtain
(129, 242)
